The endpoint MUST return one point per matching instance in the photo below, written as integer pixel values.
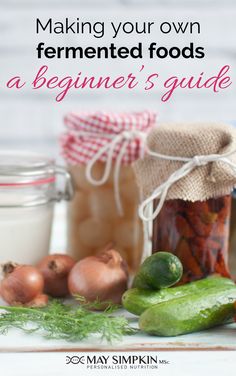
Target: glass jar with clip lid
(28, 193)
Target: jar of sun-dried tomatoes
(99, 149)
(197, 232)
(186, 181)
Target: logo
(117, 361)
(75, 359)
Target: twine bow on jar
(160, 193)
(122, 139)
(114, 139)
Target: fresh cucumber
(190, 313)
(162, 269)
(137, 300)
(140, 281)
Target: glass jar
(232, 241)
(93, 221)
(27, 196)
(197, 232)
(99, 149)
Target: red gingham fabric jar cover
(87, 132)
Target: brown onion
(103, 277)
(40, 301)
(21, 283)
(55, 269)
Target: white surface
(222, 338)
(59, 229)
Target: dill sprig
(108, 306)
(68, 322)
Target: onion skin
(103, 277)
(38, 302)
(55, 270)
(21, 284)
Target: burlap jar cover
(99, 148)
(189, 163)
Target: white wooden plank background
(32, 119)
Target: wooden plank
(216, 339)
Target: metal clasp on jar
(68, 192)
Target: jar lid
(89, 132)
(23, 168)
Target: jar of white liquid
(27, 196)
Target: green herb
(68, 322)
(97, 304)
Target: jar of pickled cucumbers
(99, 149)
(186, 180)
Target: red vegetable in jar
(196, 232)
